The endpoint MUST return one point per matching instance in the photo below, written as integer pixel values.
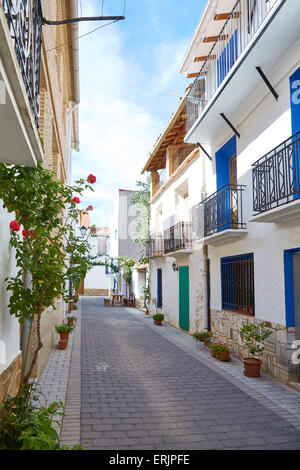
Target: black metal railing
(24, 18)
(276, 176)
(239, 28)
(155, 246)
(178, 237)
(223, 210)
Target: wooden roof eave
(167, 137)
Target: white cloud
(121, 112)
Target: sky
(129, 74)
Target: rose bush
(49, 254)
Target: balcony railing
(178, 237)
(155, 246)
(241, 25)
(276, 176)
(24, 20)
(223, 210)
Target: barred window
(237, 277)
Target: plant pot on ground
(62, 344)
(253, 335)
(63, 330)
(203, 337)
(158, 318)
(220, 351)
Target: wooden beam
(225, 16)
(221, 16)
(214, 38)
(202, 58)
(192, 75)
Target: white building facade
(181, 176)
(245, 106)
(122, 244)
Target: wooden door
(184, 298)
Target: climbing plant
(141, 199)
(43, 237)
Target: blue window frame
(237, 278)
(159, 288)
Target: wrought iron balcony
(24, 20)
(155, 246)
(276, 176)
(223, 210)
(178, 237)
(239, 28)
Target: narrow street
(139, 390)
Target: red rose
(90, 208)
(28, 234)
(76, 200)
(91, 179)
(14, 226)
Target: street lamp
(174, 267)
(83, 231)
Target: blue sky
(128, 76)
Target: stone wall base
(10, 379)
(277, 356)
(102, 292)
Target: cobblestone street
(140, 390)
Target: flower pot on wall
(252, 367)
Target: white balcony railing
(239, 28)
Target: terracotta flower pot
(70, 322)
(157, 322)
(224, 356)
(64, 336)
(62, 344)
(252, 367)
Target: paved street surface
(141, 391)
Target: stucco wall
(266, 126)
(9, 325)
(96, 279)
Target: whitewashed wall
(96, 278)
(200, 182)
(9, 325)
(266, 126)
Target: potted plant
(253, 335)
(62, 344)
(71, 320)
(203, 336)
(63, 330)
(220, 351)
(158, 318)
(214, 349)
